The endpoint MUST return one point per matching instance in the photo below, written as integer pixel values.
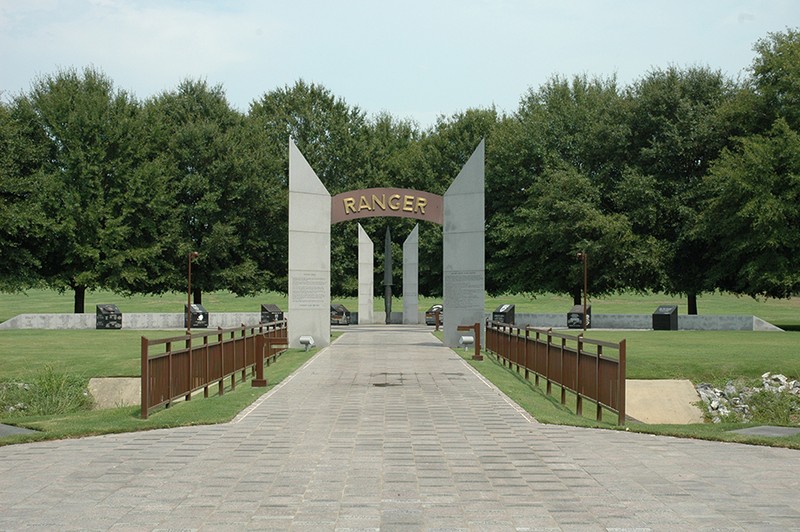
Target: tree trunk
(576, 297)
(80, 299)
(692, 297)
(197, 296)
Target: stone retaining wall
(132, 320)
(703, 322)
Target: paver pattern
(388, 430)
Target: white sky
(415, 59)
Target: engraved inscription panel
(309, 290)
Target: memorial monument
(312, 211)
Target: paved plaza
(388, 430)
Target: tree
(393, 158)
(752, 190)
(561, 216)
(23, 223)
(216, 194)
(752, 214)
(566, 133)
(776, 78)
(676, 132)
(83, 125)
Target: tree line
(684, 181)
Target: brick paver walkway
(388, 430)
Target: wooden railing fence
(191, 362)
(575, 363)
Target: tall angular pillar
(464, 255)
(411, 277)
(309, 253)
(366, 277)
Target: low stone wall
(132, 320)
(707, 322)
(226, 320)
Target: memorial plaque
(463, 288)
(309, 290)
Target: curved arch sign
(399, 202)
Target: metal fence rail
(575, 363)
(192, 362)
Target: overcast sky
(415, 59)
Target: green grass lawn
(700, 356)
(707, 356)
(89, 353)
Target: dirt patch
(114, 392)
(662, 401)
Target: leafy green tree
(751, 191)
(775, 76)
(393, 158)
(676, 132)
(87, 158)
(752, 213)
(23, 222)
(203, 157)
(567, 129)
(561, 216)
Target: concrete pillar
(366, 277)
(309, 253)
(411, 277)
(464, 256)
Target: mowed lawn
(700, 356)
(89, 353)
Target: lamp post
(193, 255)
(582, 255)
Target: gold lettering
(349, 205)
(380, 202)
(394, 202)
(408, 203)
(363, 203)
(420, 207)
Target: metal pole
(583, 257)
(585, 288)
(193, 255)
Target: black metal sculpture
(387, 275)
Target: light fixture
(466, 341)
(307, 341)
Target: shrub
(773, 408)
(45, 393)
